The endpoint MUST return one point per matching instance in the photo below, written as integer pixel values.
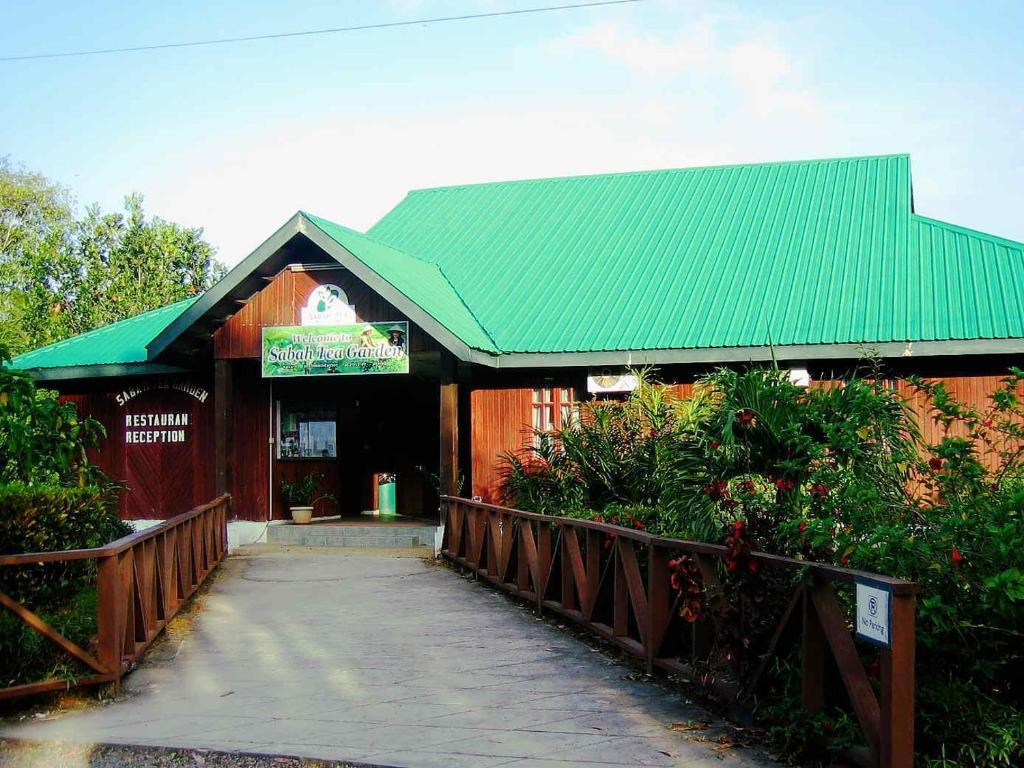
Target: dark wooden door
(166, 445)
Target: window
(305, 432)
(568, 408)
(543, 409)
(553, 408)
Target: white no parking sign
(874, 613)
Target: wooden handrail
(114, 547)
(143, 579)
(567, 565)
(899, 586)
(120, 545)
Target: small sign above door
(336, 350)
(328, 305)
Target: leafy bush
(46, 518)
(836, 474)
(43, 440)
(615, 454)
(26, 656)
(49, 518)
(51, 498)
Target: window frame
(552, 408)
(282, 405)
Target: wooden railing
(142, 581)
(616, 582)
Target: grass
(27, 657)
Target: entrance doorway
(352, 434)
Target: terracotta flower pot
(301, 515)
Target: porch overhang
(179, 341)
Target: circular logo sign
(328, 305)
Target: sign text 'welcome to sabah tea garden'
(331, 350)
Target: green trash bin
(386, 500)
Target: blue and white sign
(874, 613)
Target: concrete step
(321, 535)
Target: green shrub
(614, 454)
(40, 519)
(837, 475)
(50, 518)
(26, 656)
(51, 498)
(43, 440)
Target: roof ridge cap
(966, 230)
(652, 171)
(469, 309)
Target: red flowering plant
(686, 577)
(954, 526)
(961, 536)
(749, 615)
(836, 474)
(634, 517)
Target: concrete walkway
(389, 661)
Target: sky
(236, 138)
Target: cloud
(730, 97)
(693, 50)
(732, 53)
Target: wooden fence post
(812, 663)
(544, 557)
(897, 699)
(659, 600)
(108, 618)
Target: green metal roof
(731, 256)
(972, 284)
(119, 344)
(422, 282)
(796, 253)
(811, 256)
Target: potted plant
(301, 495)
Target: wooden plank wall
(970, 390)
(162, 479)
(499, 423)
(250, 444)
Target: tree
(36, 222)
(123, 264)
(62, 275)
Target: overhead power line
(312, 32)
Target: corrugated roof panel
(421, 282)
(118, 343)
(972, 284)
(799, 253)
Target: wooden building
(430, 345)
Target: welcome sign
(335, 350)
